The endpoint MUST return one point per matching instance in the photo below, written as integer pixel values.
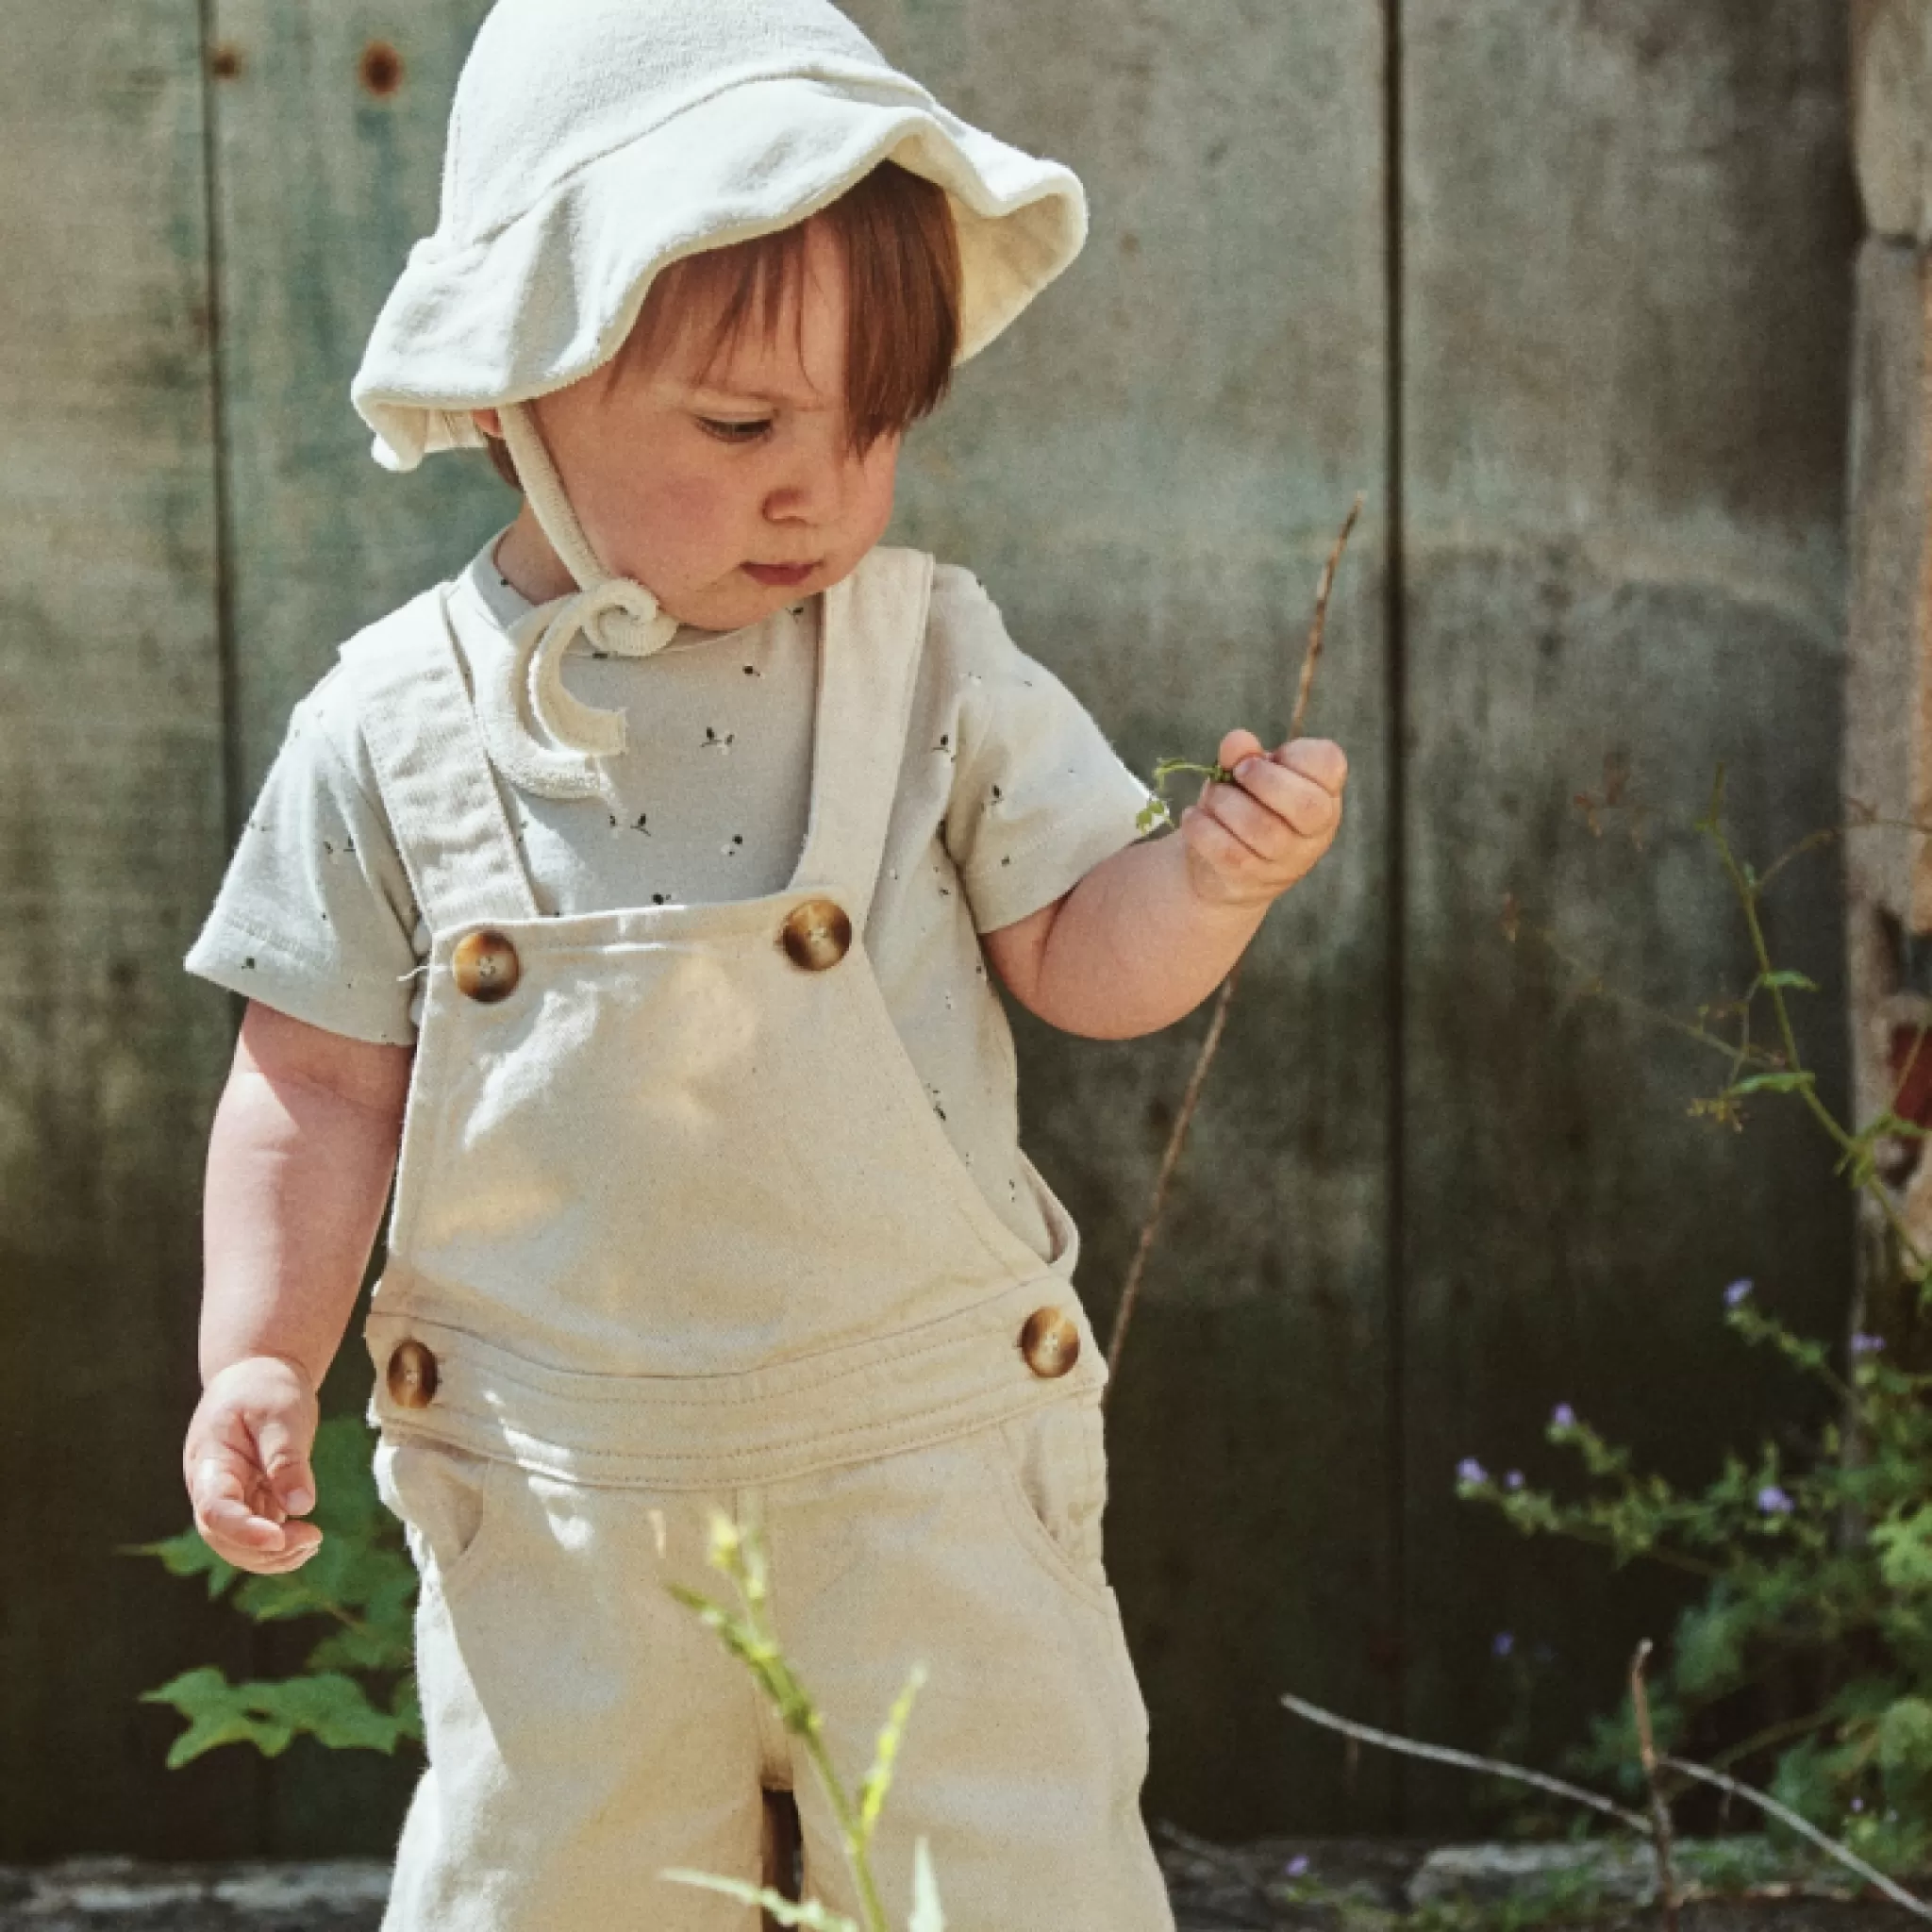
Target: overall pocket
(444, 1497)
(1049, 1469)
(1051, 1464)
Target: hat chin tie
(614, 614)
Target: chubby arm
(299, 1162)
(1148, 934)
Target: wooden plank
(1147, 473)
(1891, 115)
(329, 126)
(1625, 327)
(1888, 752)
(1887, 759)
(111, 842)
(329, 135)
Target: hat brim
(552, 295)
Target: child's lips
(780, 572)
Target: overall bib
(675, 1229)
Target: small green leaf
(878, 1780)
(1712, 1642)
(811, 1916)
(1772, 1083)
(927, 1916)
(1784, 978)
(347, 1502)
(331, 1707)
(218, 1713)
(1904, 1546)
(359, 1647)
(1905, 1737)
(187, 1555)
(343, 1575)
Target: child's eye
(734, 432)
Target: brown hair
(895, 232)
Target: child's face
(694, 481)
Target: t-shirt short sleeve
(315, 916)
(1039, 796)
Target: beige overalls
(675, 1229)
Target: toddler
(631, 899)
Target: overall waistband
(904, 1390)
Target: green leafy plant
(357, 1690)
(1788, 1592)
(1816, 1565)
(738, 1553)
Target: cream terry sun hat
(591, 143)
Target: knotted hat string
(612, 613)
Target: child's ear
(489, 422)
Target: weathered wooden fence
(1562, 284)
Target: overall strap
(872, 640)
(447, 817)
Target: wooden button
(1050, 1342)
(816, 934)
(485, 965)
(412, 1375)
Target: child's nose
(814, 493)
(808, 500)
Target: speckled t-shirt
(1008, 793)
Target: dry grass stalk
(1466, 1761)
(1644, 1828)
(1177, 1139)
(1660, 1842)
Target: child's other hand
(246, 1463)
(1248, 842)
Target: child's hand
(1249, 841)
(246, 1464)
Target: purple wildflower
(1297, 1867)
(1737, 1292)
(1562, 1417)
(1505, 1642)
(1771, 1501)
(1513, 1480)
(1470, 1471)
(1867, 1344)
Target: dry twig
(1319, 626)
(1805, 1828)
(1190, 1098)
(1644, 1828)
(1660, 1810)
(1467, 1760)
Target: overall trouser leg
(1023, 1763)
(585, 1731)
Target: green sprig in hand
(1157, 811)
